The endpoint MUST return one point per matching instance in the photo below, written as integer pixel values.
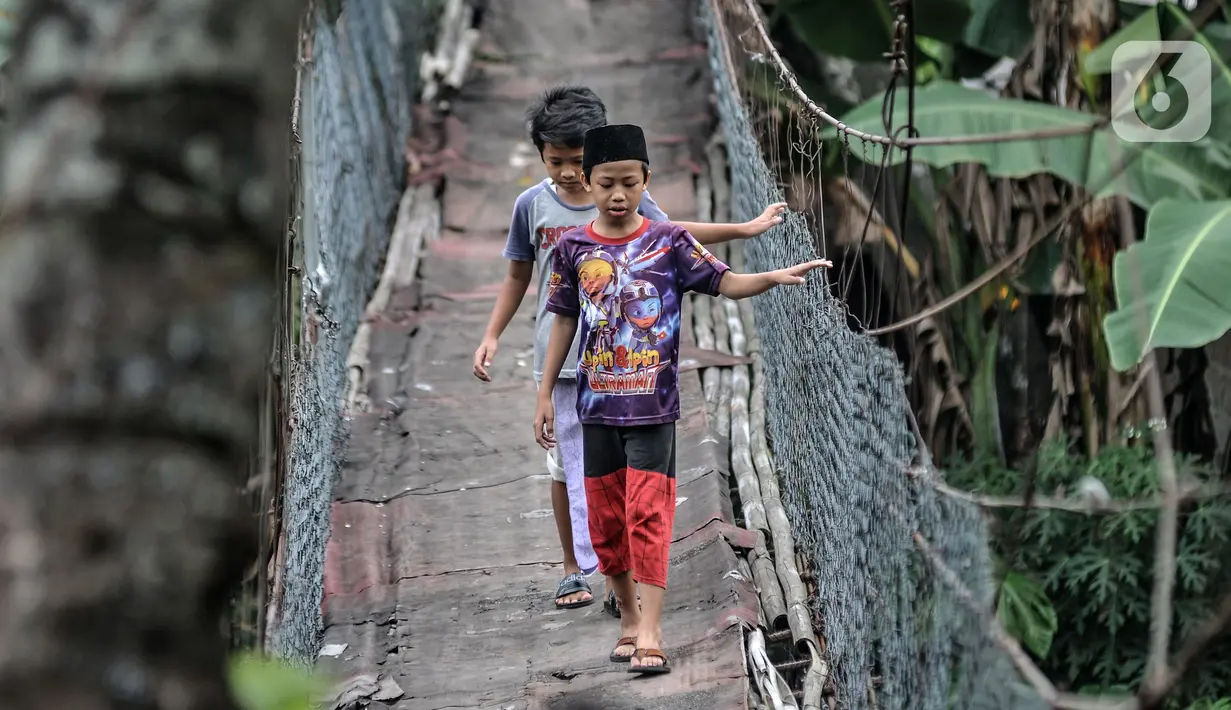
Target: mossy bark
(143, 189)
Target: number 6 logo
(1190, 78)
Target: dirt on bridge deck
(443, 559)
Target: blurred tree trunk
(142, 197)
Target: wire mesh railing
(356, 83)
(839, 421)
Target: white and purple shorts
(565, 463)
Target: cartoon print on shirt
(627, 372)
(642, 307)
(597, 276)
(553, 284)
(623, 359)
(647, 259)
(699, 254)
(601, 277)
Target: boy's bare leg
(650, 632)
(630, 616)
(620, 604)
(564, 527)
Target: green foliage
(1163, 21)
(1094, 572)
(1001, 28)
(263, 684)
(946, 109)
(1171, 288)
(1155, 171)
(1144, 172)
(1167, 21)
(1026, 613)
(1143, 29)
(863, 30)
(995, 28)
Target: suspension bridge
(795, 578)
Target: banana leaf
(1098, 161)
(1168, 21)
(863, 30)
(1173, 289)
(1000, 28)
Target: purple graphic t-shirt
(626, 294)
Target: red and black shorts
(630, 494)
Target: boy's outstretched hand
(794, 275)
(771, 217)
(545, 424)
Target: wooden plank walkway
(443, 558)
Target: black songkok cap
(610, 144)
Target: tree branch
(1024, 665)
(1151, 695)
(1191, 491)
(1161, 612)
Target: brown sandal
(642, 654)
(625, 641)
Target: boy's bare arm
(739, 286)
(512, 291)
(712, 233)
(563, 329)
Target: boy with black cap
(626, 276)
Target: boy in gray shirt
(558, 122)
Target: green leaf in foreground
(1025, 612)
(264, 684)
(1184, 267)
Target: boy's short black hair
(563, 115)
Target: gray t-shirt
(540, 218)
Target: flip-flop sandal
(611, 606)
(572, 584)
(625, 641)
(642, 654)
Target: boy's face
(617, 188)
(563, 166)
